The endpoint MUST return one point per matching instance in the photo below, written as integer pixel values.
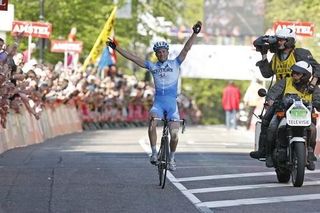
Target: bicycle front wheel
(160, 166)
(163, 159)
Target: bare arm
(25, 100)
(128, 55)
(196, 29)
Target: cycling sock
(172, 156)
(154, 149)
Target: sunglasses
(295, 73)
(282, 39)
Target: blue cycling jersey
(165, 76)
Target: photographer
(285, 56)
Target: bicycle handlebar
(183, 121)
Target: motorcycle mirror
(262, 92)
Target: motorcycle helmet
(289, 35)
(305, 68)
(159, 45)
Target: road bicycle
(164, 151)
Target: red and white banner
(301, 28)
(4, 5)
(60, 46)
(35, 29)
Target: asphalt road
(108, 171)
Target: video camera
(265, 43)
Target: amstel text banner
(301, 28)
(35, 29)
(60, 46)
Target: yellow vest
(290, 89)
(282, 68)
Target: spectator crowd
(104, 98)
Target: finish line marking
(246, 187)
(205, 206)
(215, 177)
(262, 200)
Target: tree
(89, 18)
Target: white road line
(204, 206)
(245, 187)
(215, 177)
(183, 189)
(145, 146)
(262, 200)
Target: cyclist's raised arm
(128, 55)
(196, 29)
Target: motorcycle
(290, 151)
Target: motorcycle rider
(301, 74)
(285, 55)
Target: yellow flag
(101, 41)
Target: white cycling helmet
(159, 45)
(303, 67)
(286, 33)
(289, 35)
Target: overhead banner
(35, 29)
(4, 5)
(60, 46)
(301, 28)
(233, 17)
(102, 39)
(219, 62)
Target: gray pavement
(98, 171)
(108, 171)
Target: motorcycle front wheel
(298, 163)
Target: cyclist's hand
(111, 43)
(197, 27)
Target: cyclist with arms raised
(165, 75)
